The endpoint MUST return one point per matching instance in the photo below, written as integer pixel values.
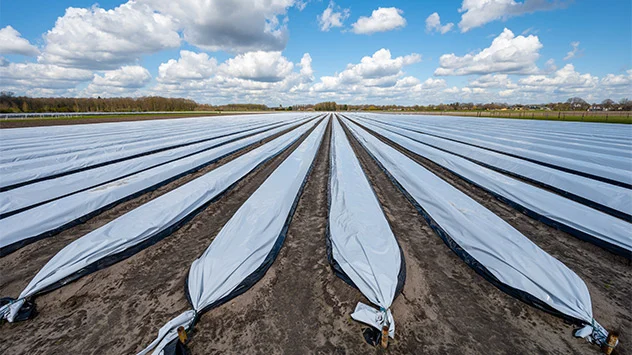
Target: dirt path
(608, 276)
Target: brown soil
(300, 306)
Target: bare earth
(300, 306)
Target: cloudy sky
(304, 51)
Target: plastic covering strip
(612, 231)
(615, 134)
(589, 169)
(52, 217)
(29, 171)
(154, 219)
(30, 195)
(248, 243)
(609, 198)
(362, 243)
(527, 137)
(483, 240)
(34, 142)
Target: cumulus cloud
(612, 80)
(259, 66)
(507, 54)
(379, 74)
(573, 52)
(492, 81)
(124, 77)
(24, 76)
(477, 13)
(381, 20)
(100, 39)
(11, 42)
(190, 66)
(333, 16)
(234, 26)
(433, 23)
(564, 80)
(259, 77)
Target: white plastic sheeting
(501, 253)
(30, 170)
(361, 241)
(589, 165)
(157, 218)
(35, 142)
(248, 244)
(598, 137)
(47, 190)
(565, 212)
(56, 215)
(612, 197)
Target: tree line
(9, 103)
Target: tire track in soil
(608, 276)
(120, 309)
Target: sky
(285, 52)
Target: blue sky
(288, 51)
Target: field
(560, 191)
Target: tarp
(487, 243)
(592, 168)
(32, 170)
(615, 200)
(146, 224)
(34, 142)
(23, 197)
(247, 245)
(607, 136)
(601, 229)
(361, 246)
(51, 218)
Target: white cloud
(612, 80)
(433, 23)
(235, 26)
(96, 38)
(507, 54)
(190, 66)
(564, 80)
(379, 75)
(383, 19)
(124, 77)
(331, 18)
(492, 81)
(477, 13)
(21, 77)
(258, 66)
(11, 42)
(306, 66)
(573, 52)
(258, 77)
(123, 81)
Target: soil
(300, 306)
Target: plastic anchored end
(611, 342)
(182, 334)
(385, 336)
